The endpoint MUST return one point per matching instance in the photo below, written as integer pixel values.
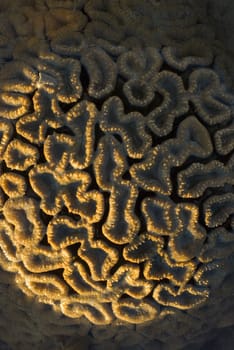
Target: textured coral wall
(116, 174)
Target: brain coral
(116, 175)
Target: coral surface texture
(116, 175)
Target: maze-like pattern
(116, 171)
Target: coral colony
(116, 175)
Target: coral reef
(116, 175)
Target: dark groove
(120, 262)
(98, 135)
(127, 176)
(118, 138)
(86, 14)
(64, 212)
(65, 107)
(65, 130)
(98, 225)
(84, 78)
(73, 248)
(132, 161)
(41, 155)
(44, 241)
